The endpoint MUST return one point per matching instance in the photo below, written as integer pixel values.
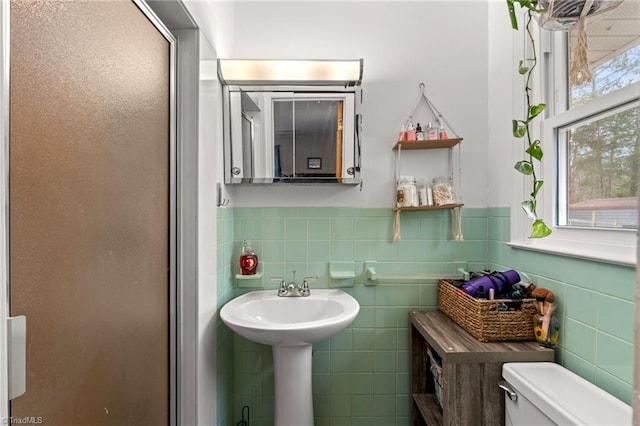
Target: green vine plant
(521, 128)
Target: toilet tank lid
(564, 396)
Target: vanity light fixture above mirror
(306, 72)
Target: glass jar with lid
(443, 191)
(407, 192)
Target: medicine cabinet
(291, 133)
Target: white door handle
(17, 345)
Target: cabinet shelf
(429, 408)
(428, 144)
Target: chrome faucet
(292, 289)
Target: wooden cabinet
(471, 371)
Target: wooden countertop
(454, 344)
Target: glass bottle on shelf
(411, 132)
(419, 133)
(432, 132)
(442, 133)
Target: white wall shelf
(249, 281)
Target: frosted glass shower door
(90, 211)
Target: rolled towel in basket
(499, 281)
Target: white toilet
(544, 393)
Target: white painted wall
(214, 22)
(441, 43)
(207, 255)
(207, 242)
(504, 181)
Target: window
(598, 153)
(614, 57)
(590, 138)
(600, 158)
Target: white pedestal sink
(290, 325)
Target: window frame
(608, 245)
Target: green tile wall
(596, 307)
(360, 377)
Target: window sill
(606, 253)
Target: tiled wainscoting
(360, 377)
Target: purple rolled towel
(499, 281)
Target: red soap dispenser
(248, 259)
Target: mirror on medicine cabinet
(283, 134)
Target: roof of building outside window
(626, 203)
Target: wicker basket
(482, 319)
